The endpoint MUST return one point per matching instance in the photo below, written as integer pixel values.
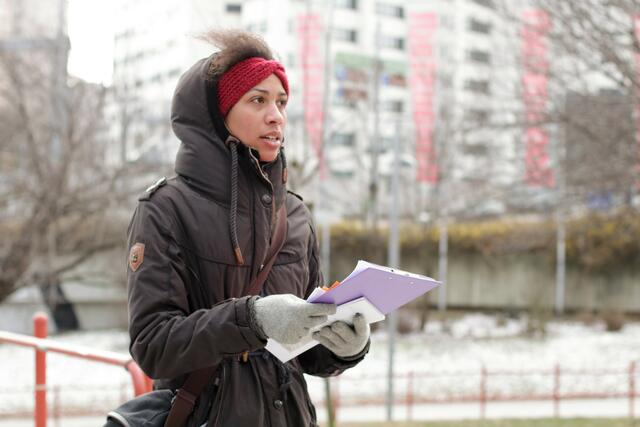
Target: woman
(199, 240)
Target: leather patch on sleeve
(136, 256)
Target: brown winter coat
(187, 306)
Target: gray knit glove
(287, 318)
(345, 340)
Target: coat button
(278, 404)
(266, 199)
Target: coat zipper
(266, 179)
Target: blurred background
(490, 144)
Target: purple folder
(386, 288)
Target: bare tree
(593, 79)
(59, 197)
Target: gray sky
(91, 27)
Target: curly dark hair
(235, 46)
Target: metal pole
(325, 252)
(394, 262)
(561, 230)
(483, 392)
(632, 389)
(443, 250)
(556, 391)
(59, 86)
(40, 329)
(323, 203)
(326, 136)
(375, 141)
(560, 264)
(331, 416)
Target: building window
(446, 81)
(476, 149)
(392, 106)
(479, 26)
(346, 4)
(486, 3)
(349, 74)
(392, 42)
(380, 145)
(476, 116)
(446, 21)
(345, 35)
(344, 139)
(478, 86)
(350, 96)
(343, 174)
(258, 27)
(390, 10)
(291, 60)
(394, 79)
(234, 8)
(480, 56)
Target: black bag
(147, 410)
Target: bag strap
(185, 400)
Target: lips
(273, 138)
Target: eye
(257, 100)
(282, 102)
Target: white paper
(344, 312)
(316, 292)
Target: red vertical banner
(422, 78)
(309, 30)
(535, 68)
(636, 31)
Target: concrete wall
(516, 281)
(95, 308)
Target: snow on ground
(448, 365)
(446, 362)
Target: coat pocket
(148, 410)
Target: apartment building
(153, 46)
(473, 53)
(364, 47)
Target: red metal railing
(42, 345)
(559, 388)
(411, 386)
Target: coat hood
(218, 166)
(202, 157)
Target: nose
(274, 115)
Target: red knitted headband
(245, 75)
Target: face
(258, 119)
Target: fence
(141, 383)
(483, 386)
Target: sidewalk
(592, 408)
(95, 421)
(610, 408)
